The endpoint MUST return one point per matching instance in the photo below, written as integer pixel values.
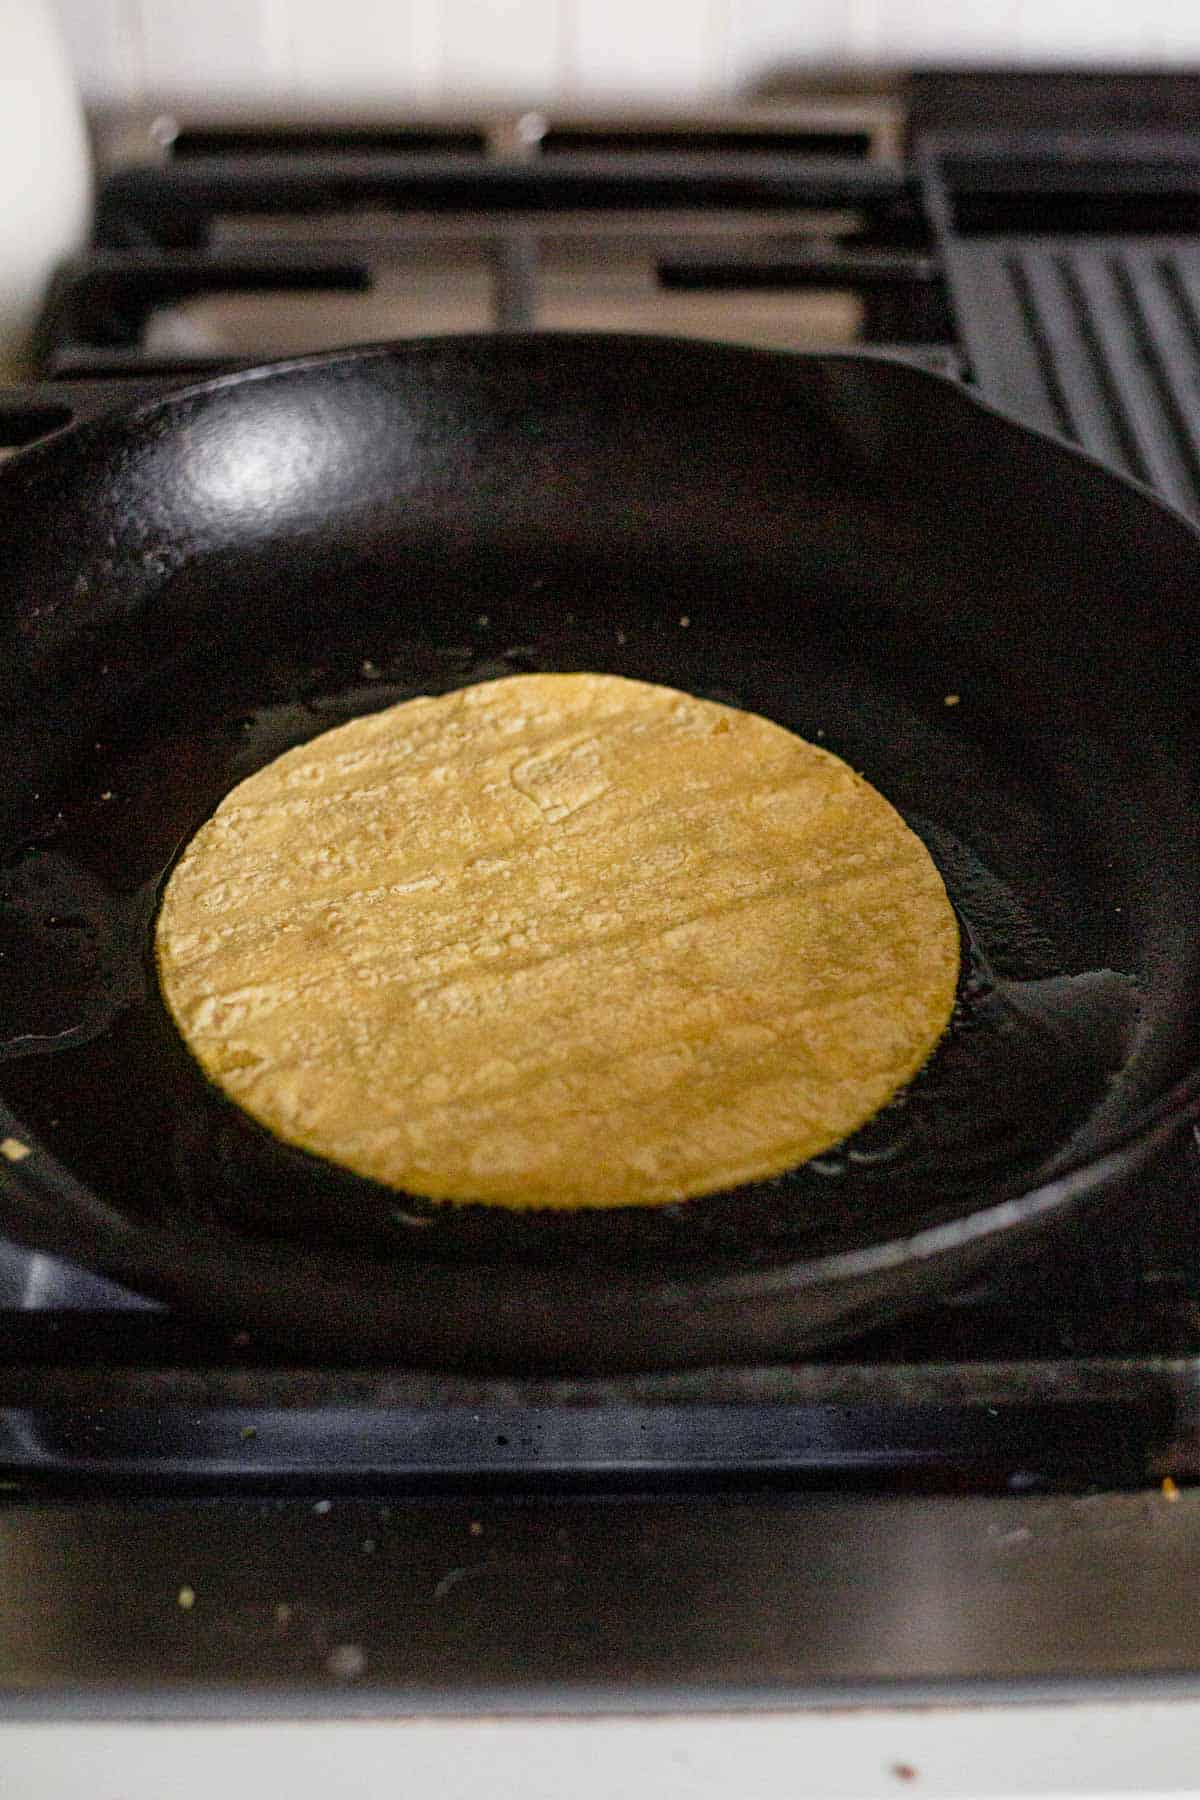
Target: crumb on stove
(13, 1150)
(400, 1216)
(476, 1529)
(187, 1598)
(952, 700)
(107, 794)
(346, 1661)
(451, 1579)
(322, 1507)
(685, 621)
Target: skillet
(994, 629)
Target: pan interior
(1047, 1005)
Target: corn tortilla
(558, 941)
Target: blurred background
(448, 52)
(1008, 193)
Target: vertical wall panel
(505, 47)
(453, 52)
(277, 46)
(1088, 31)
(946, 32)
(766, 38)
(104, 39)
(864, 22)
(1172, 34)
(220, 49)
(627, 49)
(364, 49)
(426, 27)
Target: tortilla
(558, 941)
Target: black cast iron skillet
(997, 631)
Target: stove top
(1037, 235)
(1037, 238)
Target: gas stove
(376, 1536)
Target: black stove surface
(1010, 1388)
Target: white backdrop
(443, 52)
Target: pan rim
(182, 389)
(146, 1258)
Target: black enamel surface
(308, 1606)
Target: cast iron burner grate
(1080, 313)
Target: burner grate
(1099, 343)
(1076, 328)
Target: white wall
(445, 52)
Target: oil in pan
(92, 1064)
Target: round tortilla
(559, 941)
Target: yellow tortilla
(560, 941)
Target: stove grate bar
(1097, 342)
(1071, 317)
(142, 208)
